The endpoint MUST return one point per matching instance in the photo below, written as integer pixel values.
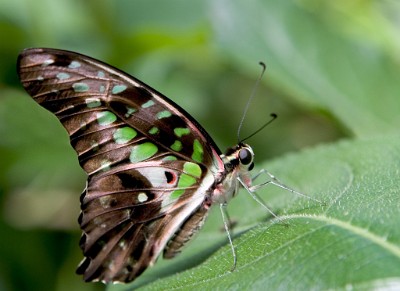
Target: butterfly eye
(245, 156)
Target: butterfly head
(238, 162)
(240, 158)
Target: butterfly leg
(274, 181)
(257, 198)
(225, 218)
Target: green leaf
(351, 240)
(312, 62)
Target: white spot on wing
(155, 175)
(47, 62)
(105, 201)
(74, 65)
(105, 165)
(142, 197)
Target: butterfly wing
(150, 165)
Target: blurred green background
(333, 73)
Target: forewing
(99, 106)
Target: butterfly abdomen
(186, 232)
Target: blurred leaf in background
(333, 79)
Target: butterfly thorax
(238, 162)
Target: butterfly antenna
(273, 117)
(246, 108)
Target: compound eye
(245, 156)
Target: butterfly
(153, 171)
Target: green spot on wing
(143, 152)
(80, 87)
(101, 74)
(124, 135)
(154, 130)
(129, 111)
(106, 118)
(177, 193)
(192, 169)
(170, 158)
(177, 146)
(93, 102)
(180, 131)
(197, 151)
(148, 104)
(163, 114)
(118, 89)
(185, 181)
